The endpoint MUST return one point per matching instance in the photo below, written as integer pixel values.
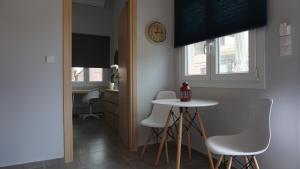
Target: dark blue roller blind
(199, 20)
(90, 51)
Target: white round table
(184, 111)
(192, 103)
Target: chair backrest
(160, 113)
(93, 94)
(260, 121)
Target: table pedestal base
(191, 122)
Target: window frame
(254, 79)
(196, 77)
(87, 82)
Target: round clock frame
(156, 32)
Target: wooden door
(124, 70)
(127, 70)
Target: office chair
(91, 98)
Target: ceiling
(96, 3)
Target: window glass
(233, 53)
(95, 74)
(77, 74)
(196, 59)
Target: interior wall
(282, 78)
(118, 5)
(155, 66)
(31, 100)
(94, 21)
(297, 42)
(155, 73)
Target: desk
(191, 122)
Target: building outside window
(87, 75)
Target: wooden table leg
(179, 140)
(204, 139)
(188, 134)
(167, 151)
(163, 139)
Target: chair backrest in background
(93, 94)
(160, 113)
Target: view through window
(80, 74)
(196, 59)
(77, 74)
(95, 74)
(231, 55)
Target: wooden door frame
(67, 84)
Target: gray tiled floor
(96, 146)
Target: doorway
(127, 83)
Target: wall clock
(156, 32)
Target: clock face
(157, 32)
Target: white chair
(157, 119)
(91, 98)
(252, 141)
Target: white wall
(31, 105)
(155, 66)
(155, 73)
(118, 5)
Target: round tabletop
(192, 103)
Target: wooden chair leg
(188, 134)
(204, 138)
(247, 162)
(179, 140)
(255, 162)
(146, 143)
(219, 162)
(229, 163)
(164, 136)
(167, 152)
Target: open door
(127, 62)
(127, 86)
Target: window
(95, 74)
(232, 53)
(77, 74)
(87, 75)
(196, 59)
(233, 61)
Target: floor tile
(97, 146)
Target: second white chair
(254, 140)
(157, 119)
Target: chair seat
(148, 122)
(235, 145)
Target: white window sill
(228, 84)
